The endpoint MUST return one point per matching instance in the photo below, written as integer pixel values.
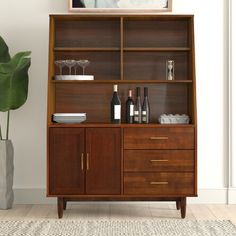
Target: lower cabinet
(84, 161)
(115, 163)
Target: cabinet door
(103, 148)
(66, 174)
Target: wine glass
(60, 64)
(83, 64)
(70, 64)
(76, 68)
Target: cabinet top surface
(127, 15)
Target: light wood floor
(121, 211)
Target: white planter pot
(6, 174)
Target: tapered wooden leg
(60, 207)
(183, 207)
(64, 204)
(178, 204)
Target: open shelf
(123, 125)
(121, 81)
(152, 66)
(86, 49)
(156, 49)
(94, 99)
(155, 33)
(105, 65)
(89, 33)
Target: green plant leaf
(14, 81)
(4, 52)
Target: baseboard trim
(205, 196)
(232, 196)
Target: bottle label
(144, 116)
(117, 109)
(131, 110)
(136, 116)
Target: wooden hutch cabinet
(97, 160)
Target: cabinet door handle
(87, 160)
(159, 183)
(82, 161)
(158, 138)
(158, 161)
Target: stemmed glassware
(70, 64)
(83, 64)
(60, 64)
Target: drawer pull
(159, 183)
(159, 160)
(158, 138)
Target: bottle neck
(145, 92)
(130, 94)
(138, 92)
(115, 89)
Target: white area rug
(116, 228)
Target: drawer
(159, 184)
(158, 160)
(159, 138)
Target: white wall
(24, 26)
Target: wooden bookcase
(97, 160)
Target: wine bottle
(138, 107)
(145, 108)
(130, 109)
(115, 107)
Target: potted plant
(13, 94)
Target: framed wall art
(127, 6)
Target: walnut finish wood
(64, 204)
(178, 205)
(152, 65)
(104, 65)
(161, 138)
(155, 33)
(60, 207)
(129, 50)
(163, 98)
(159, 184)
(90, 32)
(122, 81)
(104, 158)
(183, 207)
(65, 171)
(158, 160)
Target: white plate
(69, 114)
(74, 77)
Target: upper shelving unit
(129, 50)
(125, 47)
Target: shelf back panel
(155, 33)
(103, 65)
(87, 33)
(95, 99)
(152, 65)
